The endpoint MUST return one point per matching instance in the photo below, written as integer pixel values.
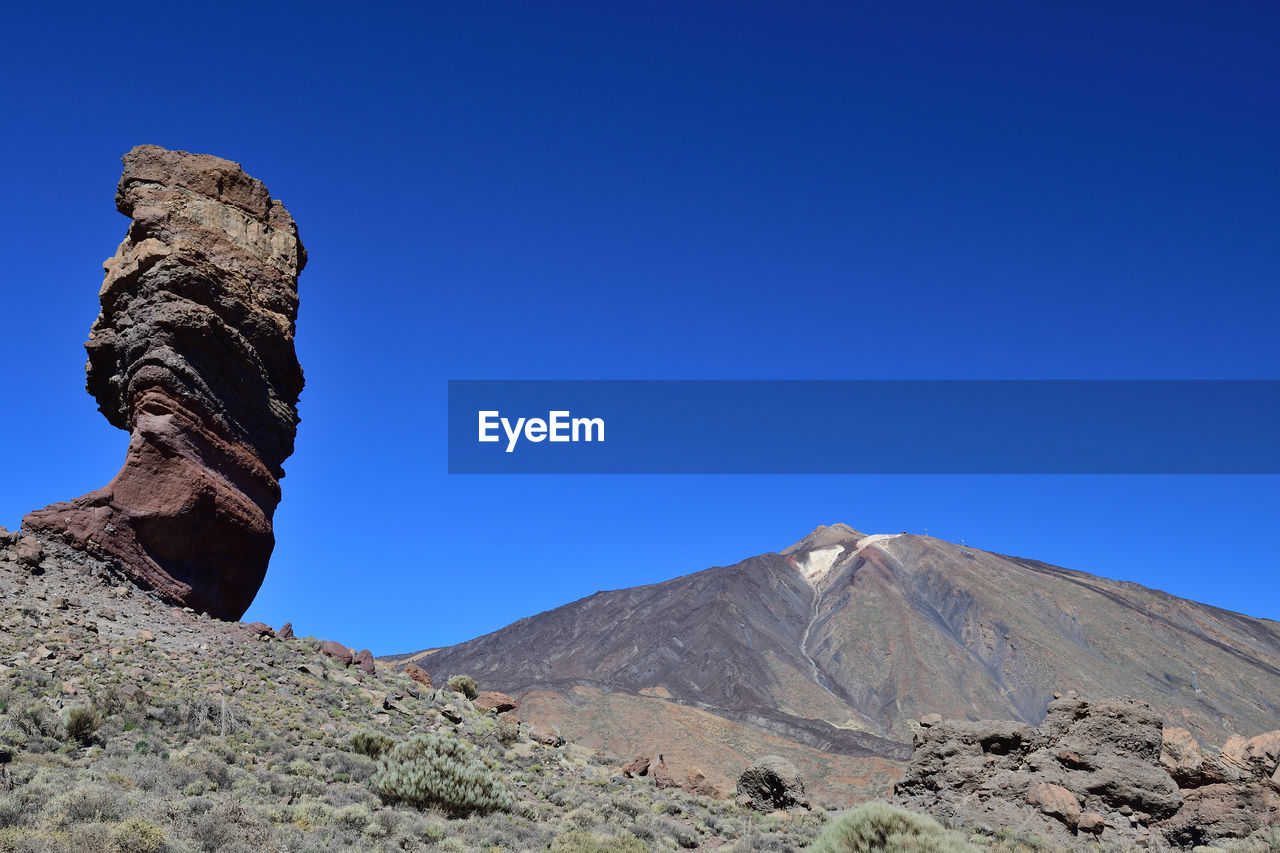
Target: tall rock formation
(193, 354)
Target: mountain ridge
(843, 640)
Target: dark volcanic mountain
(843, 640)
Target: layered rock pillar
(193, 354)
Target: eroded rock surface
(772, 783)
(1104, 769)
(193, 354)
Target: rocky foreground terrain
(127, 724)
(1106, 770)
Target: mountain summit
(840, 642)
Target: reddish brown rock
(638, 766)
(28, 551)
(1190, 767)
(494, 701)
(696, 782)
(1256, 756)
(1180, 755)
(661, 775)
(1091, 823)
(286, 631)
(364, 660)
(260, 629)
(337, 651)
(418, 674)
(1055, 801)
(545, 737)
(193, 355)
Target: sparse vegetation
(206, 740)
(874, 827)
(81, 722)
(433, 771)
(579, 841)
(464, 684)
(371, 744)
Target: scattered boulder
(1182, 758)
(660, 774)
(546, 737)
(1223, 811)
(1256, 756)
(772, 783)
(492, 700)
(364, 660)
(1091, 823)
(260, 629)
(286, 631)
(419, 675)
(336, 651)
(1085, 757)
(696, 782)
(193, 354)
(638, 766)
(1105, 768)
(28, 551)
(930, 720)
(1055, 801)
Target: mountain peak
(824, 536)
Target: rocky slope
(1104, 771)
(842, 641)
(128, 725)
(193, 354)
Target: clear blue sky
(601, 190)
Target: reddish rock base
(188, 510)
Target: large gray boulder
(772, 783)
(1101, 759)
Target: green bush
(464, 684)
(136, 835)
(372, 744)
(31, 718)
(433, 771)
(10, 745)
(81, 722)
(882, 827)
